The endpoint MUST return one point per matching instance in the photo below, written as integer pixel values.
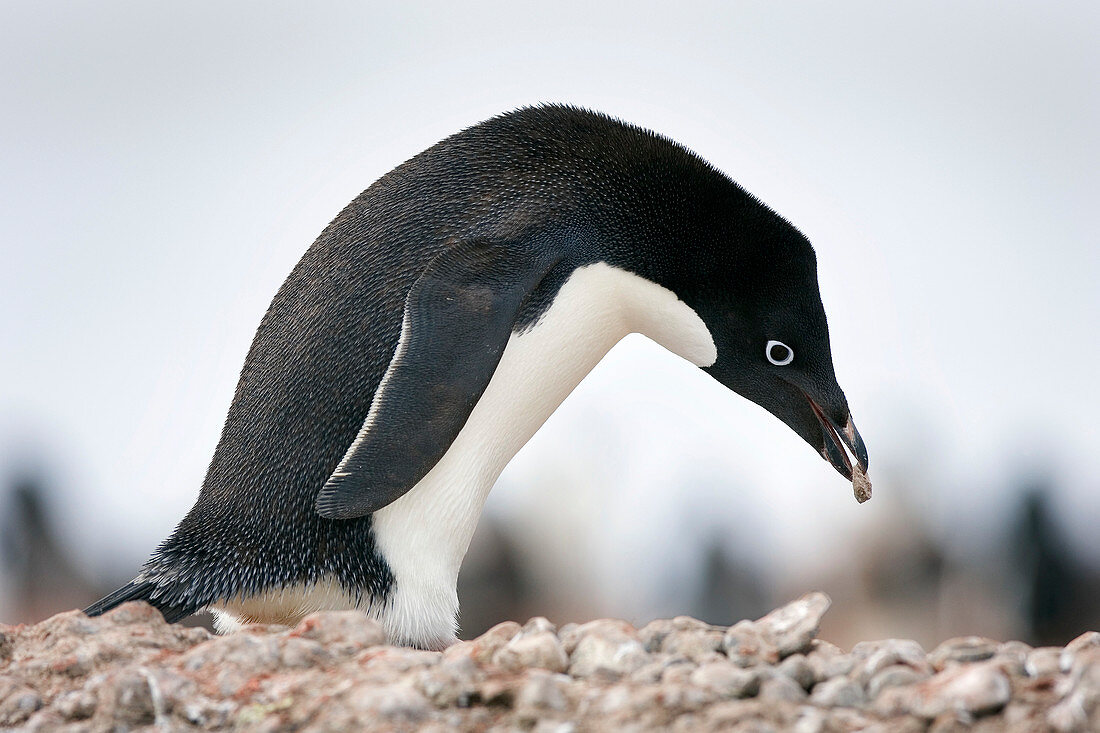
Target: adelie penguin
(433, 327)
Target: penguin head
(763, 309)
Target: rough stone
(798, 668)
(542, 692)
(746, 646)
(695, 644)
(1087, 640)
(896, 675)
(394, 703)
(828, 661)
(611, 649)
(962, 649)
(873, 657)
(536, 649)
(725, 679)
(838, 692)
(792, 628)
(341, 631)
(129, 670)
(485, 646)
(1045, 660)
(976, 689)
(777, 687)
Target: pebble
(838, 692)
(537, 649)
(792, 628)
(976, 689)
(610, 649)
(746, 646)
(395, 703)
(542, 692)
(726, 679)
(798, 669)
(334, 671)
(344, 630)
(828, 661)
(696, 645)
(1044, 661)
(896, 675)
(963, 649)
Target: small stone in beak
(861, 485)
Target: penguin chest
(424, 534)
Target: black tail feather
(143, 591)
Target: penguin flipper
(458, 318)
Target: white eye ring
(780, 362)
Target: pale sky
(164, 167)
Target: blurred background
(165, 165)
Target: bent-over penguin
(433, 327)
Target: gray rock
(810, 720)
(746, 646)
(798, 668)
(542, 692)
(533, 649)
(838, 692)
(1080, 704)
(828, 660)
(963, 649)
(207, 713)
(976, 689)
(399, 702)
(896, 675)
(653, 634)
(726, 679)
(344, 630)
(780, 688)
(678, 673)
(610, 648)
(304, 653)
(697, 645)
(1012, 655)
(873, 657)
(76, 704)
(483, 648)
(792, 628)
(17, 702)
(538, 624)
(648, 674)
(133, 699)
(128, 614)
(1046, 660)
(606, 627)
(1087, 640)
(252, 653)
(451, 683)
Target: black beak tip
(836, 458)
(840, 441)
(855, 442)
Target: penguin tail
(142, 591)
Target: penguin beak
(837, 439)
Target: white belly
(424, 534)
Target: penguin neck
(424, 535)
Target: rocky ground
(130, 670)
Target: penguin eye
(779, 353)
